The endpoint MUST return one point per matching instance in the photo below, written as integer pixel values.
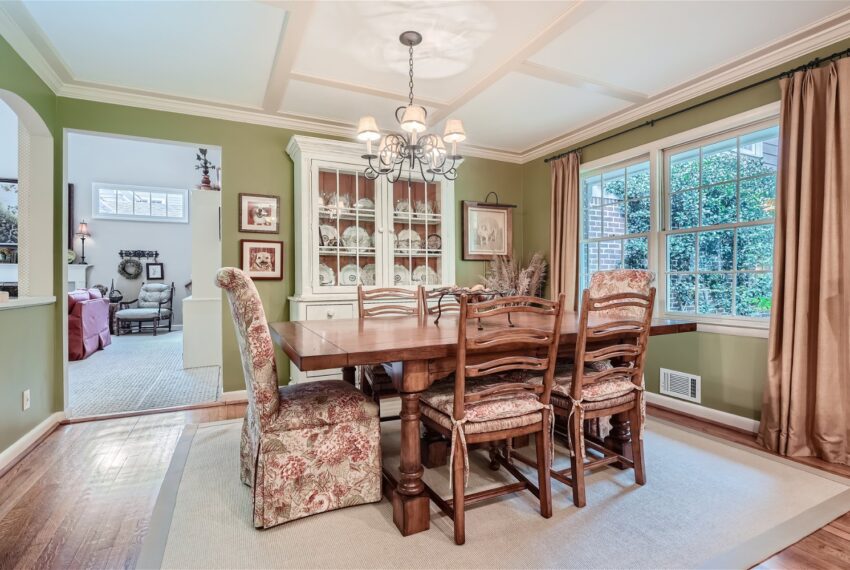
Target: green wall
(27, 335)
(733, 368)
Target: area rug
(707, 503)
(138, 372)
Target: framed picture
(154, 271)
(259, 214)
(261, 259)
(487, 230)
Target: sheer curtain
(563, 239)
(806, 409)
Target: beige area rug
(708, 503)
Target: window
(137, 203)
(719, 200)
(615, 221)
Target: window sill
(735, 329)
(26, 302)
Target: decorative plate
(321, 200)
(367, 274)
(356, 237)
(331, 200)
(435, 242)
(365, 204)
(326, 276)
(348, 275)
(408, 239)
(403, 207)
(424, 208)
(329, 235)
(401, 275)
(72, 256)
(424, 275)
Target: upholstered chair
(154, 306)
(306, 448)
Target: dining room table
(416, 352)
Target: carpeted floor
(707, 503)
(138, 372)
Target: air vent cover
(681, 385)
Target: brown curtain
(806, 408)
(563, 244)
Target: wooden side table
(113, 308)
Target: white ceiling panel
(214, 51)
(519, 111)
(357, 42)
(652, 46)
(330, 103)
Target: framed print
(259, 213)
(487, 230)
(154, 271)
(261, 259)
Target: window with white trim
(719, 205)
(140, 203)
(615, 219)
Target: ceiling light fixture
(421, 151)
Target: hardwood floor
(83, 498)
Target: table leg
(349, 374)
(620, 438)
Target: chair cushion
(596, 392)
(141, 314)
(560, 401)
(322, 403)
(441, 397)
(445, 421)
(153, 293)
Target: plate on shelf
(408, 239)
(367, 274)
(348, 275)
(402, 207)
(401, 275)
(364, 204)
(329, 235)
(326, 276)
(333, 201)
(356, 237)
(425, 208)
(425, 275)
(435, 242)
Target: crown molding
(801, 43)
(25, 48)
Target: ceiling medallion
(414, 147)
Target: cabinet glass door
(348, 243)
(416, 244)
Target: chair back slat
(437, 301)
(488, 324)
(612, 328)
(384, 302)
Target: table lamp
(83, 233)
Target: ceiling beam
(584, 83)
(292, 32)
(357, 88)
(571, 16)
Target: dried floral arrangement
(505, 274)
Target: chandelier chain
(411, 75)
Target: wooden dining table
(417, 351)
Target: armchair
(154, 305)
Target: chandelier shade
(414, 148)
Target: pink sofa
(88, 323)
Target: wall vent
(681, 385)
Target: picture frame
(259, 213)
(261, 259)
(154, 271)
(487, 230)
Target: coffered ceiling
(526, 77)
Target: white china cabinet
(350, 231)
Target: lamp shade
(413, 119)
(83, 230)
(367, 129)
(454, 132)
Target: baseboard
(234, 396)
(716, 416)
(18, 450)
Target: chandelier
(414, 148)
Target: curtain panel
(563, 238)
(806, 407)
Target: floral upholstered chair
(306, 448)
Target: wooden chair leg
(458, 495)
(637, 446)
(544, 482)
(577, 461)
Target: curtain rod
(816, 62)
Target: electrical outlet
(26, 400)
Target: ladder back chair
(435, 302)
(488, 401)
(606, 380)
(375, 380)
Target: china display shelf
(342, 251)
(345, 213)
(414, 218)
(402, 253)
